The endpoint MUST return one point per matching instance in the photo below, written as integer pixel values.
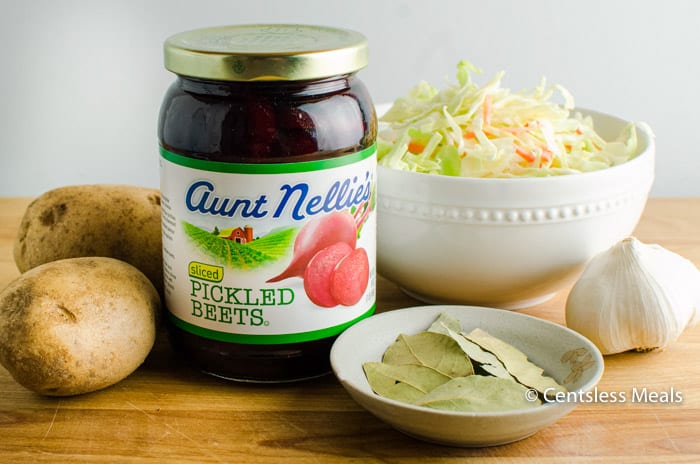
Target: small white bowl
(509, 243)
(545, 343)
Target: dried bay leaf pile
(446, 368)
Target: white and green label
(269, 253)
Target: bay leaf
(445, 322)
(488, 362)
(516, 362)
(478, 393)
(405, 383)
(429, 349)
(484, 359)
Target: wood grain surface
(166, 412)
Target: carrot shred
(415, 147)
(546, 157)
(488, 109)
(526, 155)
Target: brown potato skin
(116, 221)
(77, 325)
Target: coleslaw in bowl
(489, 131)
(511, 238)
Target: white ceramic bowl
(511, 242)
(543, 342)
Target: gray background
(82, 81)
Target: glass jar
(268, 174)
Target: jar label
(269, 253)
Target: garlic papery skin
(634, 296)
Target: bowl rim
(645, 135)
(366, 390)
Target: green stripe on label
(267, 168)
(249, 339)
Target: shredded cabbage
(489, 131)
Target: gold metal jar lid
(266, 52)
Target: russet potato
(116, 221)
(77, 325)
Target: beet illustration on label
(319, 272)
(324, 256)
(350, 277)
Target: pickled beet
(228, 121)
(297, 135)
(262, 129)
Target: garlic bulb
(634, 296)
